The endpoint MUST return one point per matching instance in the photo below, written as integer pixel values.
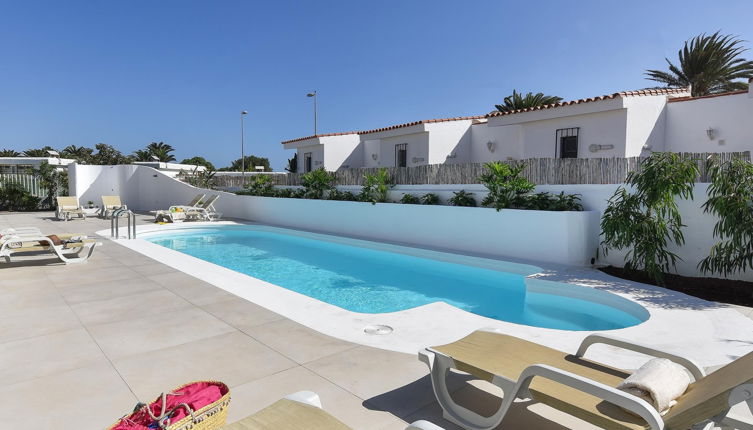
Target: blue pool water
(367, 280)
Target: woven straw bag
(209, 417)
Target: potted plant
(90, 204)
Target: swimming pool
(369, 277)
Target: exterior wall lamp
(711, 133)
(373, 157)
(491, 146)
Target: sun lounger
(581, 387)
(177, 213)
(205, 211)
(301, 411)
(26, 242)
(67, 207)
(111, 204)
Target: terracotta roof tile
(637, 93)
(423, 121)
(319, 135)
(684, 99)
(392, 127)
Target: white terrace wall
(730, 116)
(554, 237)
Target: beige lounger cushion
(484, 354)
(709, 396)
(37, 247)
(289, 415)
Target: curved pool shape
(371, 277)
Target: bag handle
(163, 420)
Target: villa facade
(624, 124)
(13, 165)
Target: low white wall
(554, 237)
(557, 237)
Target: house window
(567, 143)
(306, 162)
(401, 155)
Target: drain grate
(377, 329)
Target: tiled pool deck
(81, 344)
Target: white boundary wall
(534, 236)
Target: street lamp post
(314, 96)
(243, 157)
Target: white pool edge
(680, 330)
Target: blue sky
(131, 72)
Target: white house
(24, 164)
(171, 169)
(623, 124)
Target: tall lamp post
(314, 96)
(243, 157)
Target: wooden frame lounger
(110, 204)
(29, 241)
(581, 387)
(301, 411)
(68, 206)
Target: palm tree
(142, 155)
(81, 154)
(161, 150)
(517, 101)
(42, 152)
(9, 153)
(708, 65)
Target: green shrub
(506, 186)
(342, 195)
(14, 197)
(283, 192)
(430, 199)
(410, 199)
(260, 185)
(730, 199)
(551, 202)
(462, 198)
(317, 183)
(376, 186)
(644, 221)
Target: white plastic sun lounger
(177, 213)
(584, 388)
(29, 241)
(301, 411)
(205, 211)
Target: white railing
(30, 182)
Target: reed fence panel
(540, 171)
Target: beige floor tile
(88, 398)
(152, 268)
(36, 322)
(253, 396)
(129, 307)
(232, 358)
(390, 381)
(107, 290)
(241, 313)
(81, 274)
(46, 355)
(21, 300)
(126, 338)
(296, 341)
(196, 291)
